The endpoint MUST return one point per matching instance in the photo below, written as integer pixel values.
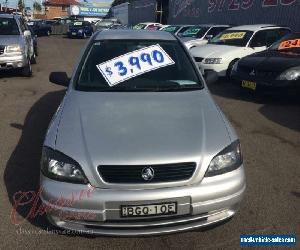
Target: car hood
(139, 128)
(9, 40)
(213, 50)
(272, 60)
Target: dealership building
(235, 12)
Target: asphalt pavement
(268, 125)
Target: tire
(228, 72)
(27, 70)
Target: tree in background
(21, 5)
(37, 6)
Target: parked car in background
(106, 24)
(140, 130)
(144, 26)
(154, 27)
(177, 30)
(200, 34)
(275, 68)
(16, 45)
(50, 22)
(227, 48)
(117, 26)
(81, 29)
(40, 27)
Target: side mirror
(27, 33)
(59, 78)
(210, 77)
(209, 37)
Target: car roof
(255, 27)
(211, 25)
(134, 35)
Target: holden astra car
(228, 47)
(140, 131)
(275, 68)
(201, 34)
(81, 29)
(41, 27)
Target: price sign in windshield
(135, 63)
(289, 44)
(233, 35)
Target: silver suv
(16, 45)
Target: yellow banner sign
(233, 35)
(289, 44)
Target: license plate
(149, 210)
(249, 85)
(73, 33)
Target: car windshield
(171, 29)
(291, 42)
(195, 32)
(8, 26)
(180, 76)
(238, 38)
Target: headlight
(290, 74)
(15, 48)
(212, 60)
(56, 165)
(227, 160)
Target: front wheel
(228, 72)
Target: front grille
(2, 49)
(199, 59)
(257, 73)
(133, 174)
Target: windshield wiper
(179, 88)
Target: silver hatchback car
(138, 146)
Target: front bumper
(12, 62)
(266, 84)
(75, 34)
(220, 69)
(213, 200)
